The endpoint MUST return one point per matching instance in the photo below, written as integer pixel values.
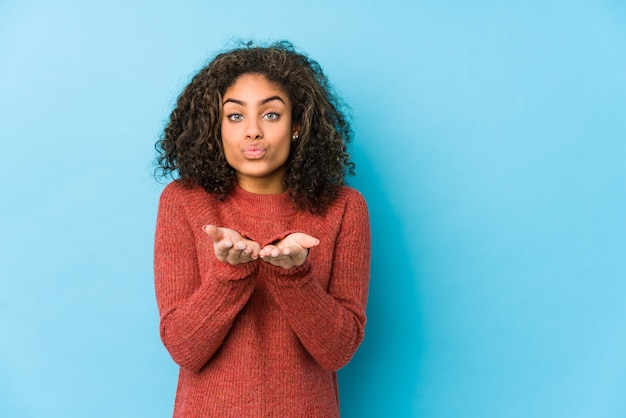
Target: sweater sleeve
(329, 322)
(196, 308)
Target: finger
(266, 251)
(243, 247)
(246, 251)
(223, 248)
(292, 250)
(253, 250)
(239, 250)
(240, 246)
(234, 256)
(276, 261)
(221, 243)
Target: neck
(261, 185)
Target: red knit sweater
(256, 340)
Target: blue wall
(490, 146)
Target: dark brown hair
(318, 162)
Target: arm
(329, 322)
(197, 307)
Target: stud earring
(295, 136)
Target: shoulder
(180, 195)
(350, 196)
(178, 191)
(349, 211)
(349, 201)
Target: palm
(289, 252)
(230, 246)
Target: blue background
(490, 145)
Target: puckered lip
(253, 151)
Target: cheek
(284, 149)
(227, 139)
(229, 151)
(225, 132)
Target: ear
(295, 132)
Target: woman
(261, 251)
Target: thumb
(307, 241)
(213, 232)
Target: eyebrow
(262, 102)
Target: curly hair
(318, 162)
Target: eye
(271, 116)
(235, 117)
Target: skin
(257, 132)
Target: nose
(253, 130)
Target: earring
(295, 136)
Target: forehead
(255, 86)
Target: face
(257, 133)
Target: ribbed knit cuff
(225, 272)
(292, 277)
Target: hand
(230, 246)
(289, 252)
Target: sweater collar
(262, 205)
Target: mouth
(253, 152)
